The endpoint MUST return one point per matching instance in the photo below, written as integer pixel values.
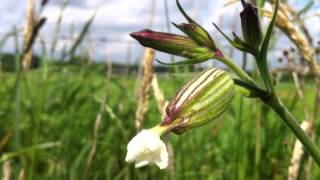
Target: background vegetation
(71, 118)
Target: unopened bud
(250, 24)
(200, 100)
(169, 43)
(198, 34)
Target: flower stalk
(208, 95)
(236, 69)
(276, 104)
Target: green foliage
(8, 62)
(62, 108)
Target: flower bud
(200, 100)
(250, 25)
(169, 43)
(198, 34)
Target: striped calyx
(201, 100)
(170, 43)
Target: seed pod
(200, 100)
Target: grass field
(47, 121)
(66, 115)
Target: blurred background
(70, 103)
(109, 30)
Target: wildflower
(201, 100)
(146, 148)
(169, 43)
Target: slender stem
(236, 69)
(275, 103)
(267, 76)
(163, 129)
(250, 90)
(244, 91)
(262, 73)
(261, 57)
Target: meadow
(48, 121)
(65, 115)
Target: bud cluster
(197, 45)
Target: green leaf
(266, 41)
(190, 20)
(195, 31)
(232, 42)
(243, 46)
(237, 39)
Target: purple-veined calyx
(201, 100)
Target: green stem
(249, 90)
(266, 74)
(275, 103)
(236, 69)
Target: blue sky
(117, 18)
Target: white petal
(162, 162)
(141, 163)
(146, 147)
(129, 157)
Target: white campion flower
(201, 100)
(147, 147)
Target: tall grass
(74, 122)
(65, 106)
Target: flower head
(169, 43)
(200, 100)
(146, 148)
